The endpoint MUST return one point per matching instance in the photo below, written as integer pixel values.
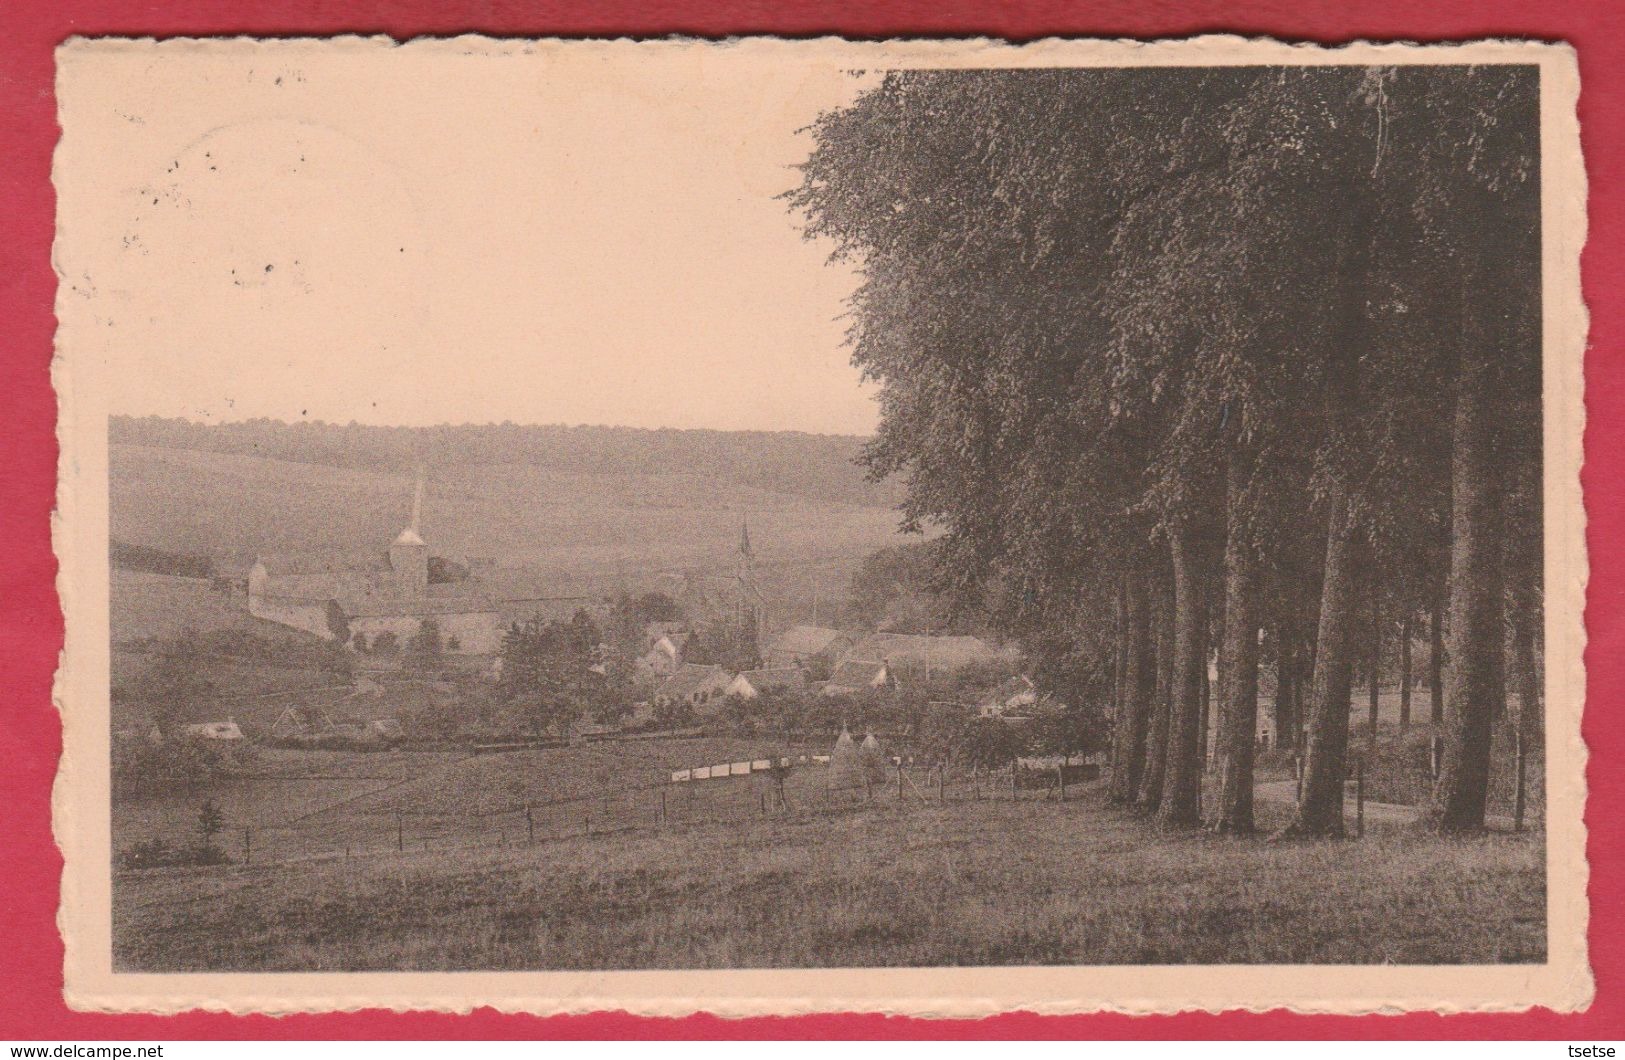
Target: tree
(210, 822)
(175, 684)
(1070, 732)
(1158, 323)
(425, 651)
(725, 643)
(548, 674)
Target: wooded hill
(817, 466)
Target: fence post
(400, 832)
(762, 798)
(1060, 780)
(1437, 762)
(1518, 772)
(248, 845)
(662, 806)
(1297, 772)
(1359, 797)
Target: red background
(30, 623)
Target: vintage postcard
(767, 526)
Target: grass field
(966, 883)
(307, 804)
(570, 533)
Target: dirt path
(1286, 791)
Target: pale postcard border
(81, 798)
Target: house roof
(777, 677)
(909, 649)
(804, 640)
(379, 605)
(856, 673)
(677, 640)
(1015, 686)
(688, 680)
(277, 564)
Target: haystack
(874, 759)
(846, 764)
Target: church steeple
(409, 556)
(750, 595)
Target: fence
(795, 785)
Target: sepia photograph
(599, 507)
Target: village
(368, 658)
(398, 618)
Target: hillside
(568, 529)
(818, 467)
(921, 884)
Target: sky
(418, 236)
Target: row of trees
(1196, 358)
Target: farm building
(356, 600)
(694, 685)
(857, 675)
(1013, 698)
(911, 652)
(752, 683)
(806, 646)
(227, 730)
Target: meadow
(555, 532)
(990, 882)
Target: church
(358, 600)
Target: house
(752, 683)
(804, 646)
(653, 631)
(213, 730)
(925, 654)
(1012, 699)
(855, 676)
(696, 686)
(665, 654)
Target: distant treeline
(813, 465)
(126, 556)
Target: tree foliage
(1150, 325)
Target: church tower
(409, 556)
(750, 614)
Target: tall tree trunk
(1405, 669)
(1374, 665)
(1474, 682)
(1238, 658)
(1138, 687)
(1181, 803)
(1523, 581)
(1286, 666)
(1436, 661)
(1320, 811)
(1156, 738)
(1525, 669)
(1206, 714)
